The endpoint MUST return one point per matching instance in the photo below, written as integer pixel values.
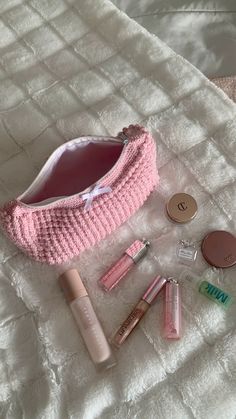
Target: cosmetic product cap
(219, 249)
(138, 249)
(172, 280)
(153, 290)
(72, 285)
(181, 208)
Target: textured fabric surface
(73, 68)
(61, 230)
(202, 31)
(228, 84)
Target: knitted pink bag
(87, 188)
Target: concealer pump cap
(72, 285)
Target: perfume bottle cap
(219, 249)
(154, 288)
(181, 208)
(72, 285)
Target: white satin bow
(96, 191)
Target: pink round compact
(219, 249)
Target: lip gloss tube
(132, 255)
(172, 311)
(85, 317)
(138, 312)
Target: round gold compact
(181, 208)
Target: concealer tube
(138, 312)
(85, 317)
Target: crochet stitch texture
(57, 232)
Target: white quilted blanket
(74, 67)
(202, 31)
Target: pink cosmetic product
(132, 255)
(138, 312)
(172, 310)
(85, 316)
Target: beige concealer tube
(85, 317)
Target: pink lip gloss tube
(132, 255)
(172, 310)
(85, 316)
(138, 312)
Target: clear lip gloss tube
(84, 314)
(172, 311)
(138, 312)
(132, 255)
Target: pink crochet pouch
(86, 189)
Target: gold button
(181, 208)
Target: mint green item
(215, 294)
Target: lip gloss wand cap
(153, 290)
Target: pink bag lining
(72, 168)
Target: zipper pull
(123, 137)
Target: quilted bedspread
(202, 31)
(77, 67)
